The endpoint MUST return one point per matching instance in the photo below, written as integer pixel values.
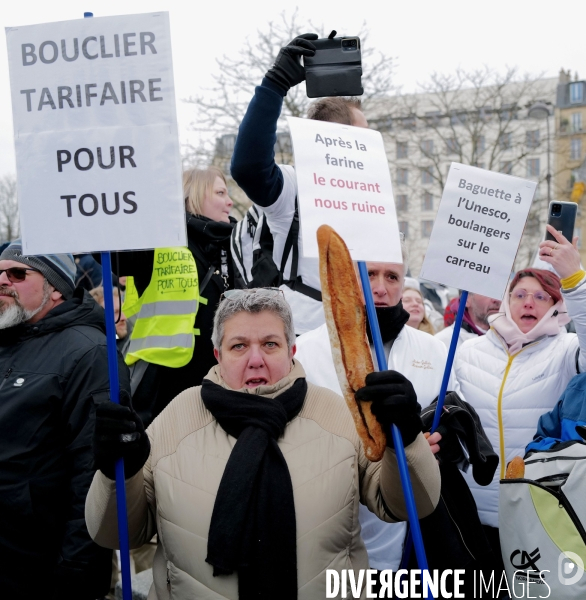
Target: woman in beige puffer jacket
(174, 494)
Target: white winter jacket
(445, 336)
(511, 392)
(421, 359)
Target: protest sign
(477, 230)
(343, 180)
(97, 152)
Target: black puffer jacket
(51, 375)
(205, 239)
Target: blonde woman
(413, 304)
(178, 290)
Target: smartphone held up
(562, 217)
(335, 69)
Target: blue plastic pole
(115, 397)
(397, 439)
(452, 352)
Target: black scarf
(206, 238)
(391, 320)
(209, 231)
(253, 528)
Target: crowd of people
(245, 475)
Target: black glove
(394, 402)
(288, 70)
(119, 433)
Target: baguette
(515, 469)
(346, 322)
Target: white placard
(97, 150)
(343, 180)
(477, 230)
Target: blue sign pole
(397, 439)
(451, 353)
(115, 397)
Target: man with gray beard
(53, 372)
(475, 323)
(12, 314)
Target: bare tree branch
(220, 109)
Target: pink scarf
(551, 323)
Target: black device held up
(562, 216)
(335, 69)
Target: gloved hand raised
(394, 402)
(119, 433)
(288, 70)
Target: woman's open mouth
(256, 381)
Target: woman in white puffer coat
(519, 369)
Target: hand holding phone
(560, 253)
(562, 217)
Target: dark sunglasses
(16, 274)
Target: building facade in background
(484, 126)
(570, 155)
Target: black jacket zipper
(459, 531)
(6, 377)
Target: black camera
(349, 45)
(335, 69)
(556, 210)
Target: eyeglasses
(16, 274)
(520, 296)
(270, 292)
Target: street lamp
(540, 110)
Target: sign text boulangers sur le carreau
(477, 230)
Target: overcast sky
(423, 36)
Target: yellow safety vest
(163, 333)
(131, 304)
